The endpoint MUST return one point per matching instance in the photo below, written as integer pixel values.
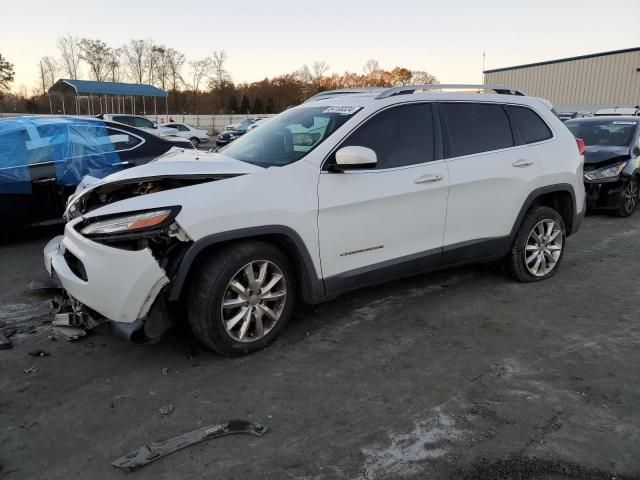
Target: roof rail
(407, 89)
(343, 91)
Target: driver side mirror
(354, 158)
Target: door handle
(522, 163)
(45, 180)
(428, 178)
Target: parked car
(245, 122)
(618, 111)
(138, 121)
(42, 160)
(329, 196)
(564, 116)
(227, 137)
(185, 130)
(262, 121)
(611, 161)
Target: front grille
(75, 265)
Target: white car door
(490, 175)
(387, 221)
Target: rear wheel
(629, 200)
(538, 247)
(195, 141)
(241, 297)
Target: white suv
(349, 189)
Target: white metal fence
(211, 123)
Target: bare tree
(318, 69)
(97, 55)
(175, 62)
(135, 59)
(114, 65)
(69, 48)
(199, 70)
(220, 75)
(303, 74)
(423, 78)
(371, 66)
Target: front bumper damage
(120, 286)
(605, 194)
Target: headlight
(607, 172)
(132, 223)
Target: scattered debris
(69, 333)
(44, 284)
(165, 371)
(5, 343)
(29, 370)
(166, 409)
(153, 450)
(38, 353)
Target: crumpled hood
(175, 169)
(186, 162)
(596, 154)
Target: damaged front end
(115, 267)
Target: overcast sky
(266, 38)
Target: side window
(142, 122)
(531, 126)
(13, 149)
(124, 119)
(90, 140)
(400, 136)
(475, 128)
(182, 128)
(51, 144)
(122, 140)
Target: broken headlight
(132, 223)
(611, 171)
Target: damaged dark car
(44, 159)
(611, 162)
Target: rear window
(614, 133)
(475, 128)
(531, 126)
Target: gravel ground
(457, 374)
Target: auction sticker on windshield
(342, 109)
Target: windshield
(289, 136)
(612, 133)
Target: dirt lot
(458, 374)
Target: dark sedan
(227, 137)
(43, 159)
(611, 161)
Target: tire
(213, 323)
(195, 141)
(629, 199)
(529, 239)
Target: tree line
(197, 86)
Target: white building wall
(587, 84)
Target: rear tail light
(581, 145)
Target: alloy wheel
(253, 301)
(543, 247)
(631, 196)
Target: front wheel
(629, 200)
(538, 247)
(195, 141)
(241, 297)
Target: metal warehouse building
(584, 83)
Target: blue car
(43, 159)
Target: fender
(578, 211)
(312, 286)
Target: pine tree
(257, 106)
(270, 108)
(244, 106)
(232, 106)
